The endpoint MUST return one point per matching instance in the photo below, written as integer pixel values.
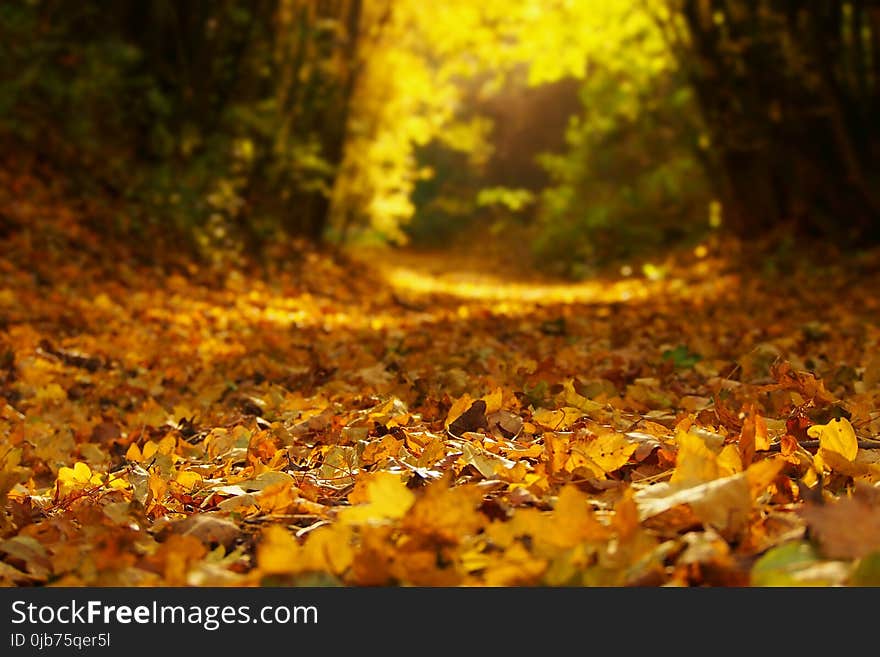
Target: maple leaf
(804, 383)
(570, 397)
(383, 449)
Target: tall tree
(316, 55)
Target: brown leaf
(508, 424)
(753, 436)
(209, 528)
(472, 419)
(848, 529)
(804, 383)
(105, 432)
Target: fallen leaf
(695, 462)
(386, 497)
(557, 420)
(847, 529)
(208, 528)
(837, 436)
(610, 451)
(473, 419)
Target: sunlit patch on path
(422, 274)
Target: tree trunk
(308, 212)
(783, 93)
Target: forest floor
(393, 417)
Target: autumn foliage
(398, 419)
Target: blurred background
(563, 135)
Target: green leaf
(682, 356)
(781, 565)
(867, 572)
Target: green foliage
(444, 200)
(682, 357)
(64, 80)
(219, 122)
(631, 177)
(631, 180)
(512, 199)
(790, 97)
(235, 124)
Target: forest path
(470, 278)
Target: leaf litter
(222, 426)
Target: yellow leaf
(762, 473)
(836, 436)
(458, 408)
(434, 451)
(762, 438)
(52, 392)
(573, 520)
(150, 448)
(729, 460)
(188, 479)
(493, 401)
(557, 420)
(389, 499)
(556, 452)
(571, 397)
(277, 551)
(327, 548)
(610, 451)
(514, 568)
(487, 464)
(378, 450)
(177, 555)
(65, 475)
(695, 462)
(118, 483)
(578, 462)
(446, 514)
(78, 476)
(278, 497)
(167, 444)
(158, 486)
(134, 453)
(82, 473)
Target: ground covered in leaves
(401, 419)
